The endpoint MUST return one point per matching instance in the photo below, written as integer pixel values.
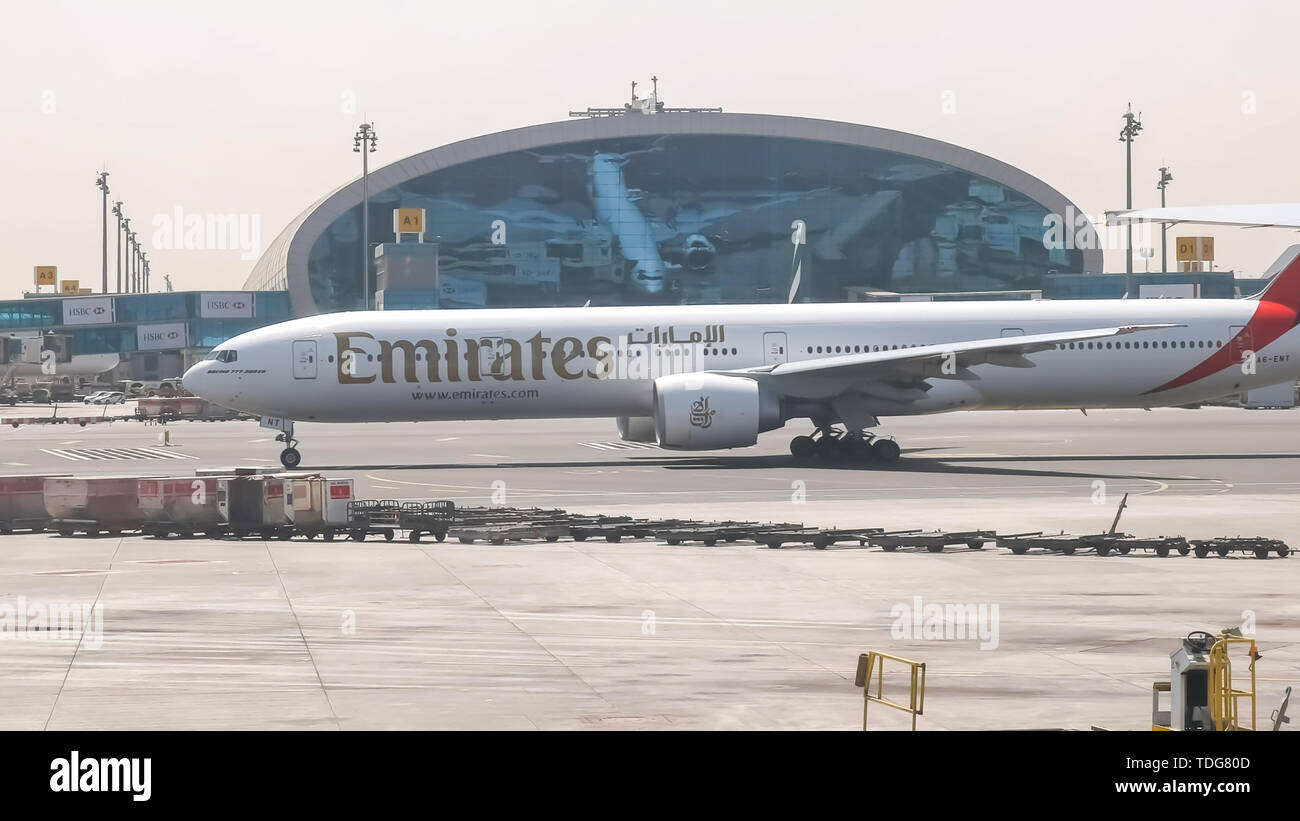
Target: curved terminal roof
(284, 264)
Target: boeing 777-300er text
(704, 377)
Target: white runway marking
(620, 445)
(102, 454)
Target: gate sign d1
(226, 305)
(1195, 249)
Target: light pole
(101, 182)
(133, 251)
(1165, 179)
(117, 258)
(1132, 125)
(126, 252)
(363, 142)
(144, 272)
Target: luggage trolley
(433, 518)
(370, 516)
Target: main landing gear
(837, 446)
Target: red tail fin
(1284, 289)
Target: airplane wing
(1266, 215)
(900, 374)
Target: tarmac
(307, 635)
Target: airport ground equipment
(710, 533)
(433, 518)
(318, 506)
(177, 408)
(820, 538)
(1020, 543)
(1257, 546)
(934, 541)
(22, 502)
(872, 665)
(255, 504)
(615, 529)
(184, 506)
(93, 504)
(1279, 716)
(1123, 544)
(367, 516)
(1202, 692)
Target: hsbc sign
(96, 311)
(232, 305)
(168, 336)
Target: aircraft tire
(886, 451)
(802, 447)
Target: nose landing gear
(289, 457)
(850, 447)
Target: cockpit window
(227, 355)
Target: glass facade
(1207, 285)
(698, 218)
(132, 310)
(30, 313)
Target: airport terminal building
(675, 207)
(134, 336)
(636, 205)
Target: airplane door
(775, 351)
(1013, 332)
(1241, 340)
(304, 359)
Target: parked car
(110, 398)
(91, 397)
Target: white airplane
(705, 377)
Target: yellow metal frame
(1158, 687)
(1224, 698)
(873, 663)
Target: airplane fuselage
(602, 362)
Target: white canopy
(1266, 215)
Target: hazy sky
(243, 107)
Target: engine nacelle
(699, 252)
(636, 428)
(703, 411)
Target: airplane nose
(193, 380)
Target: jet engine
(699, 252)
(702, 411)
(636, 428)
